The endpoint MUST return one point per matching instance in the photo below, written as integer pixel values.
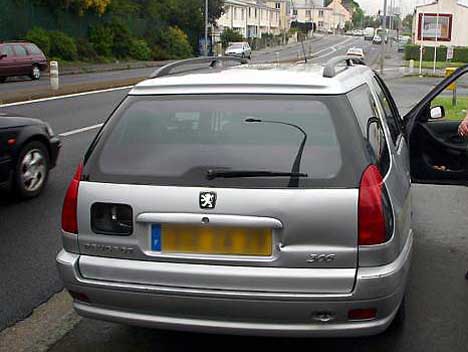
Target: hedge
(412, 52)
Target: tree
(80, 6)
(358, 17)
(348, 26)
(370, 21)
(188, 15)
(408, 23)
(229, 35)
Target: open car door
(438, 154)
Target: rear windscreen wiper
(212, 174)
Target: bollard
(411, 67)
(54, 75)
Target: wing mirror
(2, 56)
(437, 113)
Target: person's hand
(463, 128)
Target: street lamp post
(206, 28)
(384, 44)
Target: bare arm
(463, 128)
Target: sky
(407, 6)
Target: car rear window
(176, 140)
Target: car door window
(20, 51)
(390, 114)
(8, 50)
(438, 153)
(367, 113)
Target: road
(325, 47)
(30, 239)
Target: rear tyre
(35, 73)
(32, 170)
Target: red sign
(435, 27)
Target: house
(441, 23)
(334, 16)
(311, 12)
(251, 18)
(284, 7)
(340, 14)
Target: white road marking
(65, 96)
(80, 130)
(333, 49)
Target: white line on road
(65, 96)
(333, 49)
(80, 130)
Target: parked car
(200, 205)
(28, 150)
(21, 59)
(358, 52)
(240, 49)
(377, 39)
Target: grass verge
(457, 112)
(439, 65)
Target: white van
(369, 33)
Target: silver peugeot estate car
(262, 200)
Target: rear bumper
(246, 313)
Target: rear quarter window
(33, 49)
(370, 123)
(176, 140)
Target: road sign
(448, 72)
(450, 53)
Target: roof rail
(13, 41)
(330, 67)
(206, 61)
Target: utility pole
(206, 27)
(391, 22)
(384, 45)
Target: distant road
(325, 48)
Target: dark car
(21, 59)
(28, 150)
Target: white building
(441, 23)
(332, 17)
(251, 18)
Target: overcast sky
(407, 6)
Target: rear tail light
(362, 314)
(69, 215)
(112, 219)
(375, 221)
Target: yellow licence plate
(216, 240)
